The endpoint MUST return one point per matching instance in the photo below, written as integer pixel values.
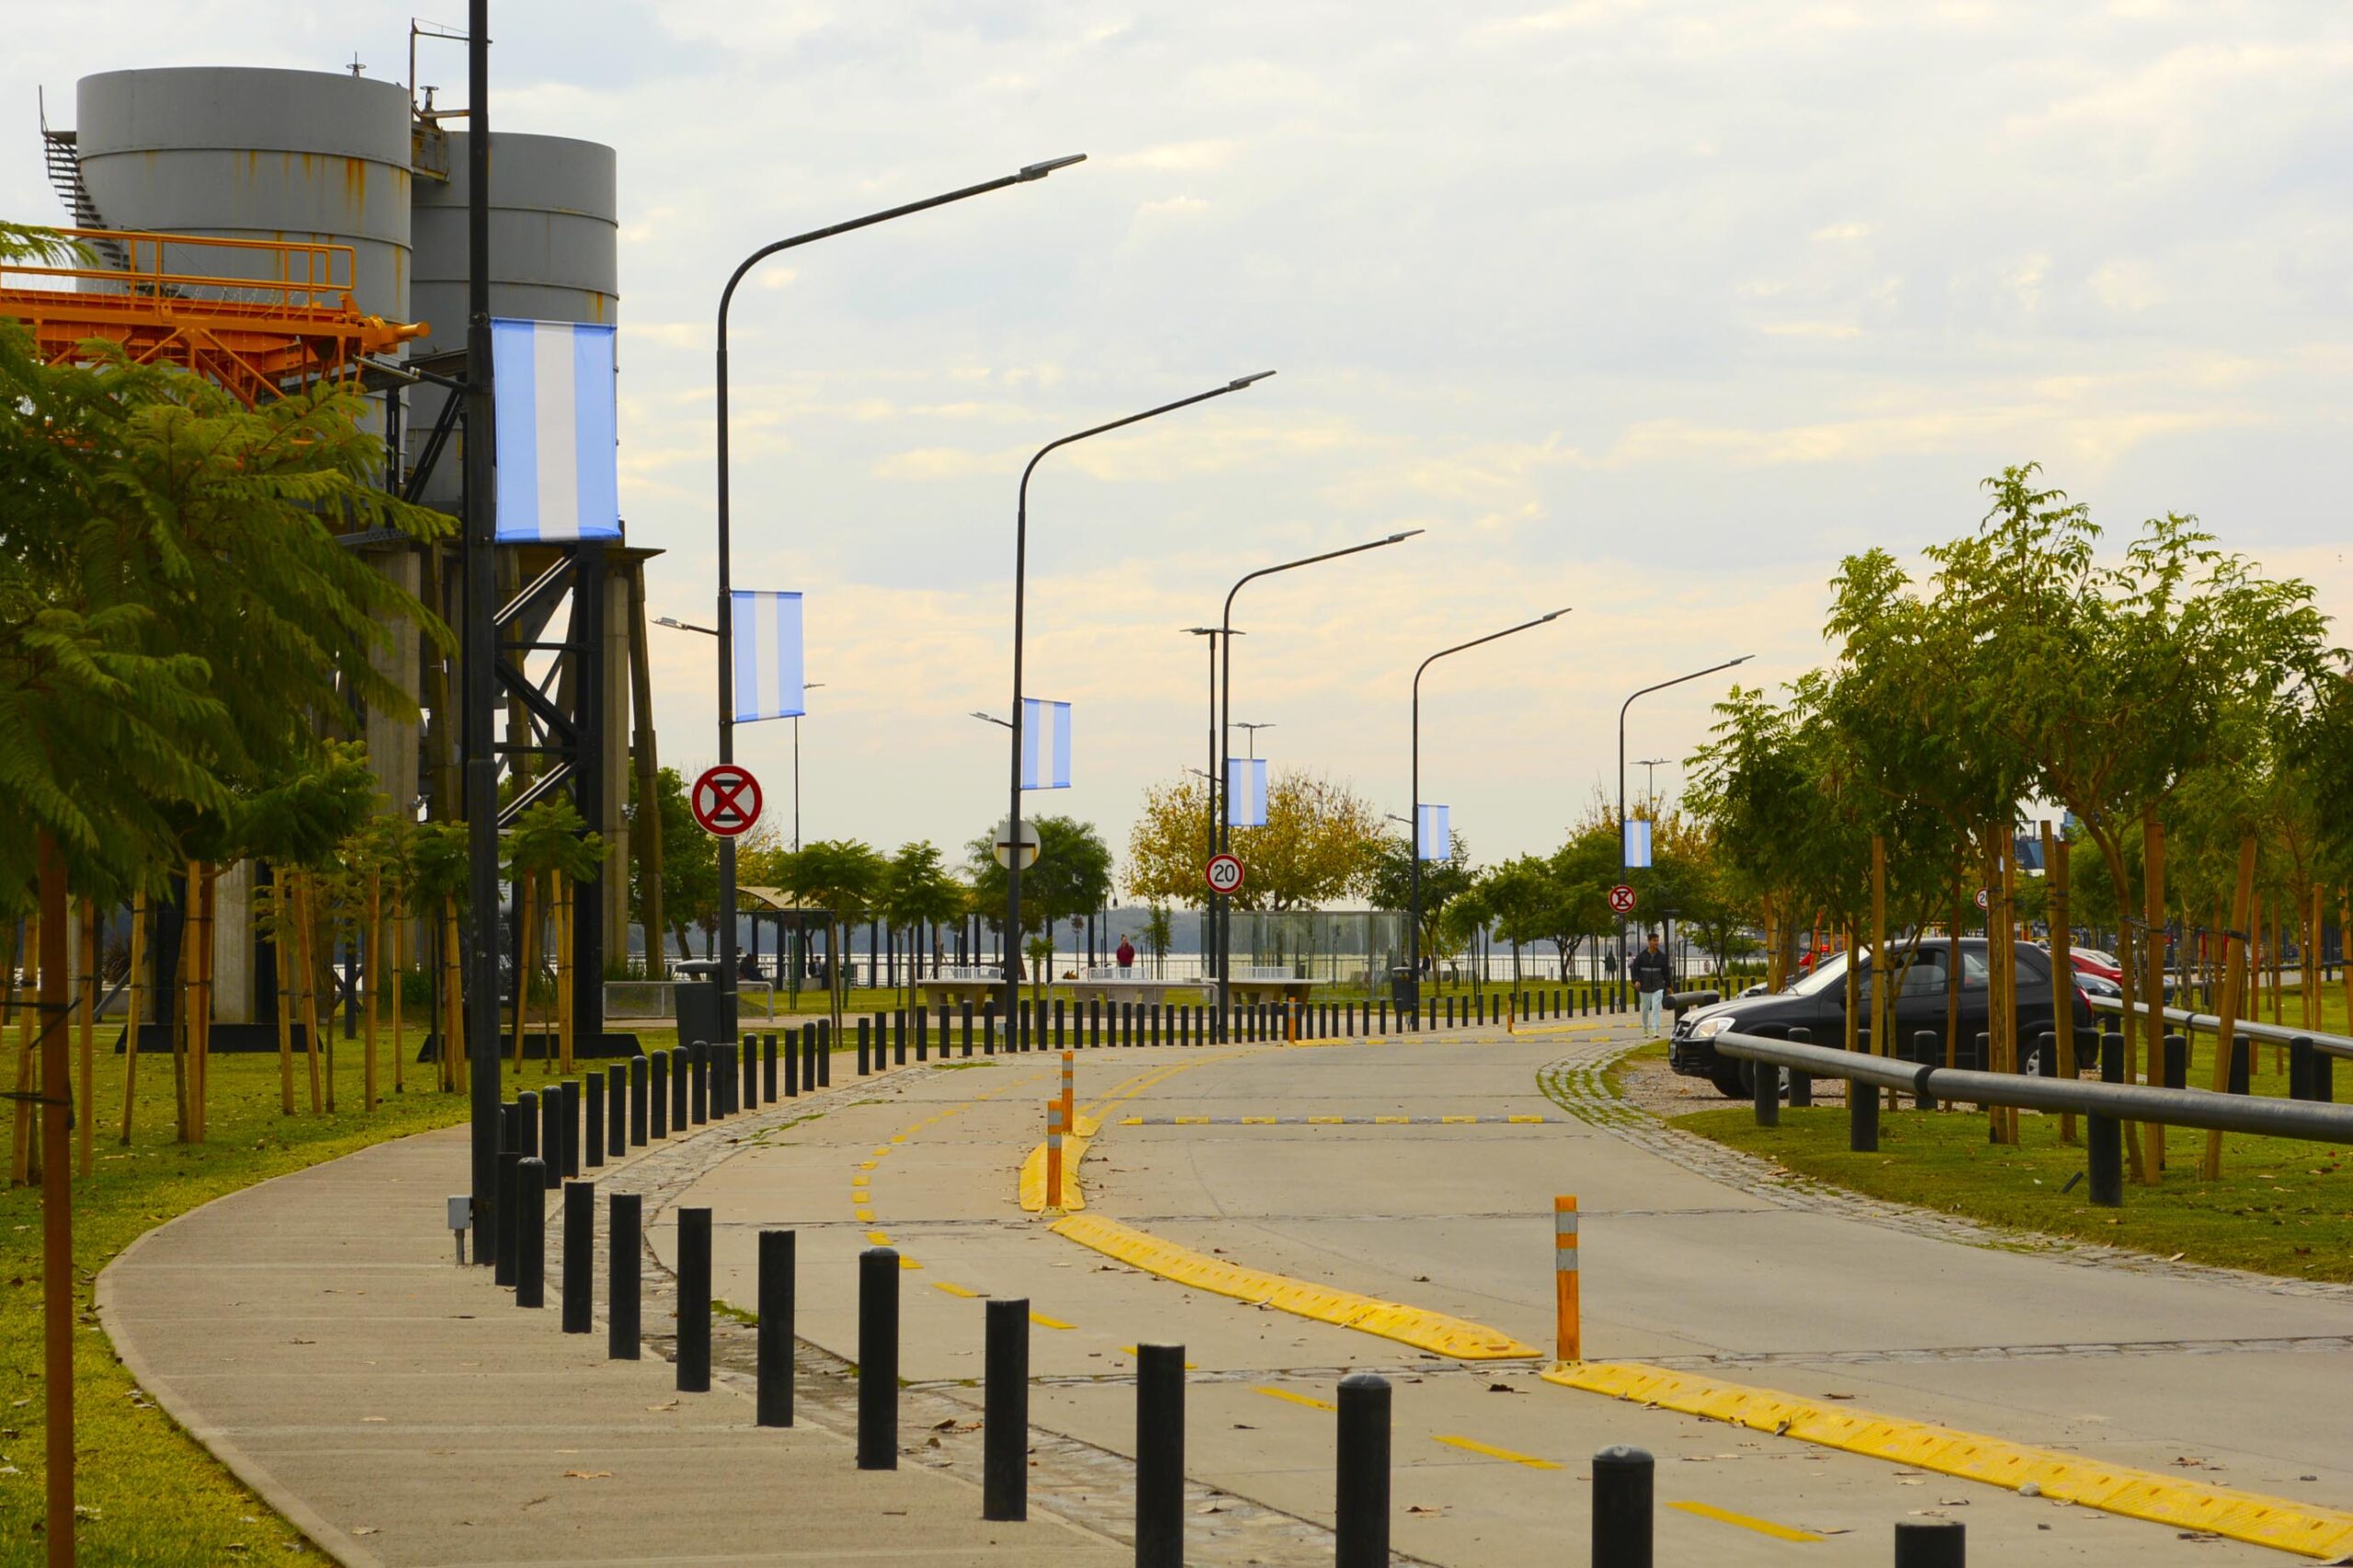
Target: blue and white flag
(1638, 842)
(1436, 834)
(1245, 788)
(1045, 745)
(558, 477)
(766, 634)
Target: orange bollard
(1070, 1091)
(1053, 1156)
(1569, 1336)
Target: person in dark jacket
(1651, 977)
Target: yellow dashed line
(1042, 1321)
(1258, 1121)
(865, 1216)
(955, 1290)
(1488, 1450)
(1424, 1330)
(2277, 1522)
(1310, 1401)
(906, 1262)
(877, 1238)
(1327, 1121)
(1525, 1121)
(1460, 1120)
(1762, 1526)
(1391, 1120)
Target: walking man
(1650, 972)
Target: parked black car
(1817, 1004)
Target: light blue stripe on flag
(558, 473)
(766, 630)
(1436, 834)
(1045, 745)
(1245, 788)
(1638, 841)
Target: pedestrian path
(313, 1332)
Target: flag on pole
(559, 478)
(1045, 745)
(1638, 842)
(1435, 833)
(1245, 788)
(766, 634)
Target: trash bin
(1404, 995)
(699, 1017)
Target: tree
(840, 876)
(551, 840)
(689, 891)
(917, 890)
(1389, 881)
(1315, 847)
(1072, 876)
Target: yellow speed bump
(2275, 1522)
(1033, 1171)
(1434, 1332)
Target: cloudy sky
(1649, 310)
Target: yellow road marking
(1132, 1350)
(881, 1150)
(866, 1165)
(1042, 1321)
(1391, 1120)
(906, 1262)
(1457, 1121)
(1524, 1120)
(1258, 1121)
(2277, 1522)
(1762, 1526)
(877, 1238)
(1031, 1186)
(1326, 1121)
(865, 1216)
(1308, 1399)
(1473, 1446)
(955, 1290)
(1424, 1330)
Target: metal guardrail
(2277, 1034)
(2314, 1120)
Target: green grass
(154, 1497)
(2281, 1205)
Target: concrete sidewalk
(313, 1332)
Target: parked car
(2091, 960)
(1817, 1002)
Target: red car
(2091, 960)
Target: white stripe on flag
(1245, 787)
(555, 422)
(1436, 835)
(766, 654)
(1045, 745)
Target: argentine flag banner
(766, 631)
(1638, 842)
(1436, 834)
(1045, 745)
(559, 478)
(1245, 788)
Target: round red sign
(726, 800)
(1223, 873)
(1621, 899)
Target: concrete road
(2214, 1378)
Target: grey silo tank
(247, 152)
(554, 239)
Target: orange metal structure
(260, 317)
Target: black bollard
(2241, 1063)
(1160, 1456)
(1621, 1507)
(1862, 1108)
(507, 1206)
(617, 1110)
(774, 1404)
(679, 1089)
(694, 1301)
(767, 1067)
(550, 1147)
(809, 1057)
(2176, 1060)
(825, 1052)
(1931, 1543)
(899, 1036)
(579, 1253)
(571, 1089)
(2320, 1082)
(1005, 1412)
(1927, 1050)
(964, 1017)
(793, 1064)
(657, 1096)
(1360, 1494)
(638, 1070)
(1764, 1092)
(923, 1034)
(2103, 1137)
(878, 1358)
(865, 1052)
(2299, 1067)
(988, 1028)
(592, 1130)
(698, 1082)
(624, 1212)
(751, 1073)
(530, 1232)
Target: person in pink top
(1127, 957)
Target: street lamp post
(1254, 730)
(1221, 797)
(726, 581)
(1021, 574)
(1645, 691)
(1414, 919)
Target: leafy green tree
(1315, 847)
(689, 890)
(917, 890)
(1072, 876)
(1388, 881)
(842, 877)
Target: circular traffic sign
(1029, 845)
(1224, 874)
(1621, 899)
(726, 800)
(1984, 901)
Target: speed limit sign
(1621, 899)
(1982, 901)
(1223, 873)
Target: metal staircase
(60, 151)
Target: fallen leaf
(1418, 1508)
(367, 1530)
(586, 1474)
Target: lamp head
(1556, 614)
(1399, 539)
(1240, 381)
(1040, 171)
(1742, 660)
